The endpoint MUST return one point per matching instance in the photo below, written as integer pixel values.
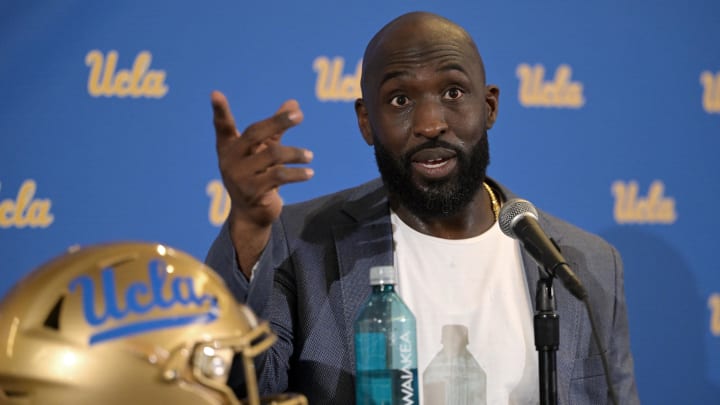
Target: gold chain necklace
(494, 204)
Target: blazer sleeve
(258, 294)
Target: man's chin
(430, 186)
(430, 201)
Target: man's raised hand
(253, 165)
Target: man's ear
(363, 122)
(492, 98)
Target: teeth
(432, 164)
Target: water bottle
(385, 345)
(453, 375)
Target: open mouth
(434, 163)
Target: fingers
(277, 176)
(273, 159)
(222, 117)
(254, 163)
(292, 108)
(279, 155)
(267, 130)
(289, 105)
(264, 185)
(272, 129)
(258, 147)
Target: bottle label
(404, 361)
(403, 355)
(383, 380)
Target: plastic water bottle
(453, 375)
(385, 345)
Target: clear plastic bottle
(385, 345)
(453, 375)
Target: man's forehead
(417, 38)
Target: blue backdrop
(609, 117)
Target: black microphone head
(512, 211)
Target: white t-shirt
(471, 295)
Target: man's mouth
(434, 163)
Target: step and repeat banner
(609, 117)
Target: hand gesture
(253, 165)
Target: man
(426, 110)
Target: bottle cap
(383, 275)
(454, 336)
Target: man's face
(427, 111)
(430, 196)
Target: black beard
(442, 198)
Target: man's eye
(454, 93)
(399, 101)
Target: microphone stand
(547, 339)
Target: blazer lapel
(364, 241)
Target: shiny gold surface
(126, 323)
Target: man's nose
(429, 119)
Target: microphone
(519, 220)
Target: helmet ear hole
(53, 319)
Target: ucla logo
(631, 208)
(711, 91)
(561, 92)
(219, 202)
(140, 81)
(333, 84)
(25, 209)
(714, 305)
(175, 296)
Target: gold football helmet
(127, 323)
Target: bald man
(433, 214)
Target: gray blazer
(312, 279)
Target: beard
(439, 198)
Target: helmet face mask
(209, 363)
(126, 323)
